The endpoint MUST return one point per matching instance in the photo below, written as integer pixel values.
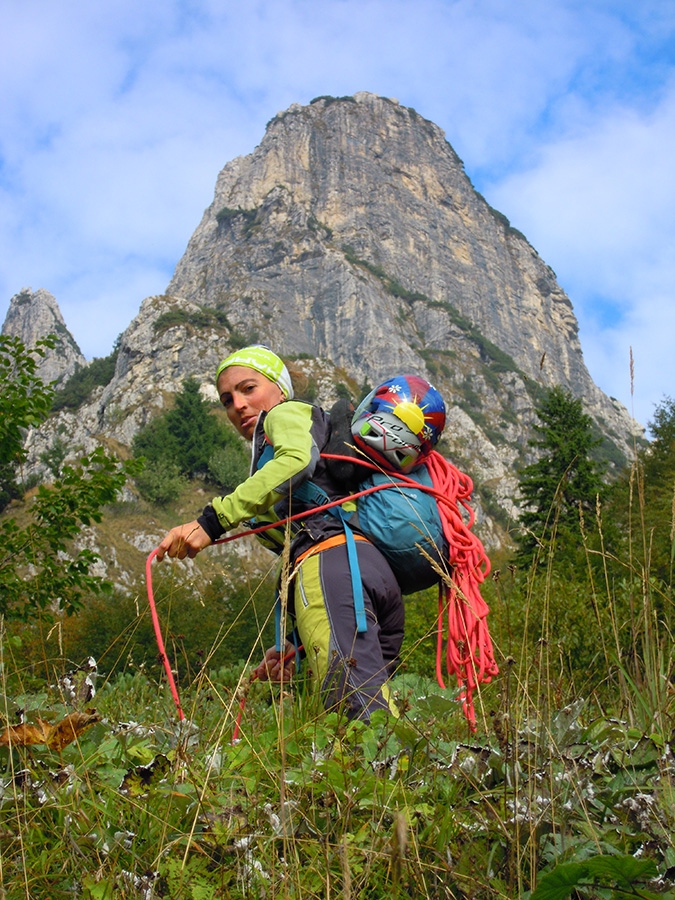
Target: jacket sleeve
(288, 428)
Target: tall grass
(566, 789)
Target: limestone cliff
(353, 233)
(33, 315)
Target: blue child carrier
(405, 526)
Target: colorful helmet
(400, 422)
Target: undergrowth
(567, 788)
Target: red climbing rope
(469, 654)
(158, 634)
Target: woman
(351, 665)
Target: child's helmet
(400, 422)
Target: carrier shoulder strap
(309, 492)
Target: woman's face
(246, 393)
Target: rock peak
(33, 315)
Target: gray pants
(352, 668)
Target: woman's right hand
(184, 540)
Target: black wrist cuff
(211, 523)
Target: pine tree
(194, 431)
(185, 441)
(564, 481)
(642, 503)
(658, 462)
(660, 458)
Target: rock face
(353, 233)
(352, 242)
(33, 315)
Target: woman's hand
(184, 540)
(271, 667)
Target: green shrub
(217, 623)
(54, 456)
(24, 402)
(342, 391)
(39, 572)
(239, 339)
(227, 214)
(160, 482)
(84, 380)
(228, 467)
(390, 284)
(197, 319)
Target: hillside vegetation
(565, 790)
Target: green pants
(351, 668)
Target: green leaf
(139, 780)
(560, 883)
(623, 869)
(97, 890)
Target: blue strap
(277, 622)
(355, 572)
(309, 492)
(280, 639)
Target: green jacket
(287, 443)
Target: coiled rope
(469, 655)
(462, 611)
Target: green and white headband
(263, 360)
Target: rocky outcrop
(33, 315)
(353, 233)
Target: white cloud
(116, 119)
(600, 208)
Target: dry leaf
(70, 728)
(26, 735)
(56, 737)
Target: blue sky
(117, 117)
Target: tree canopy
(643, 503)
(24, 402)
(188, 441)
(39, 567)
